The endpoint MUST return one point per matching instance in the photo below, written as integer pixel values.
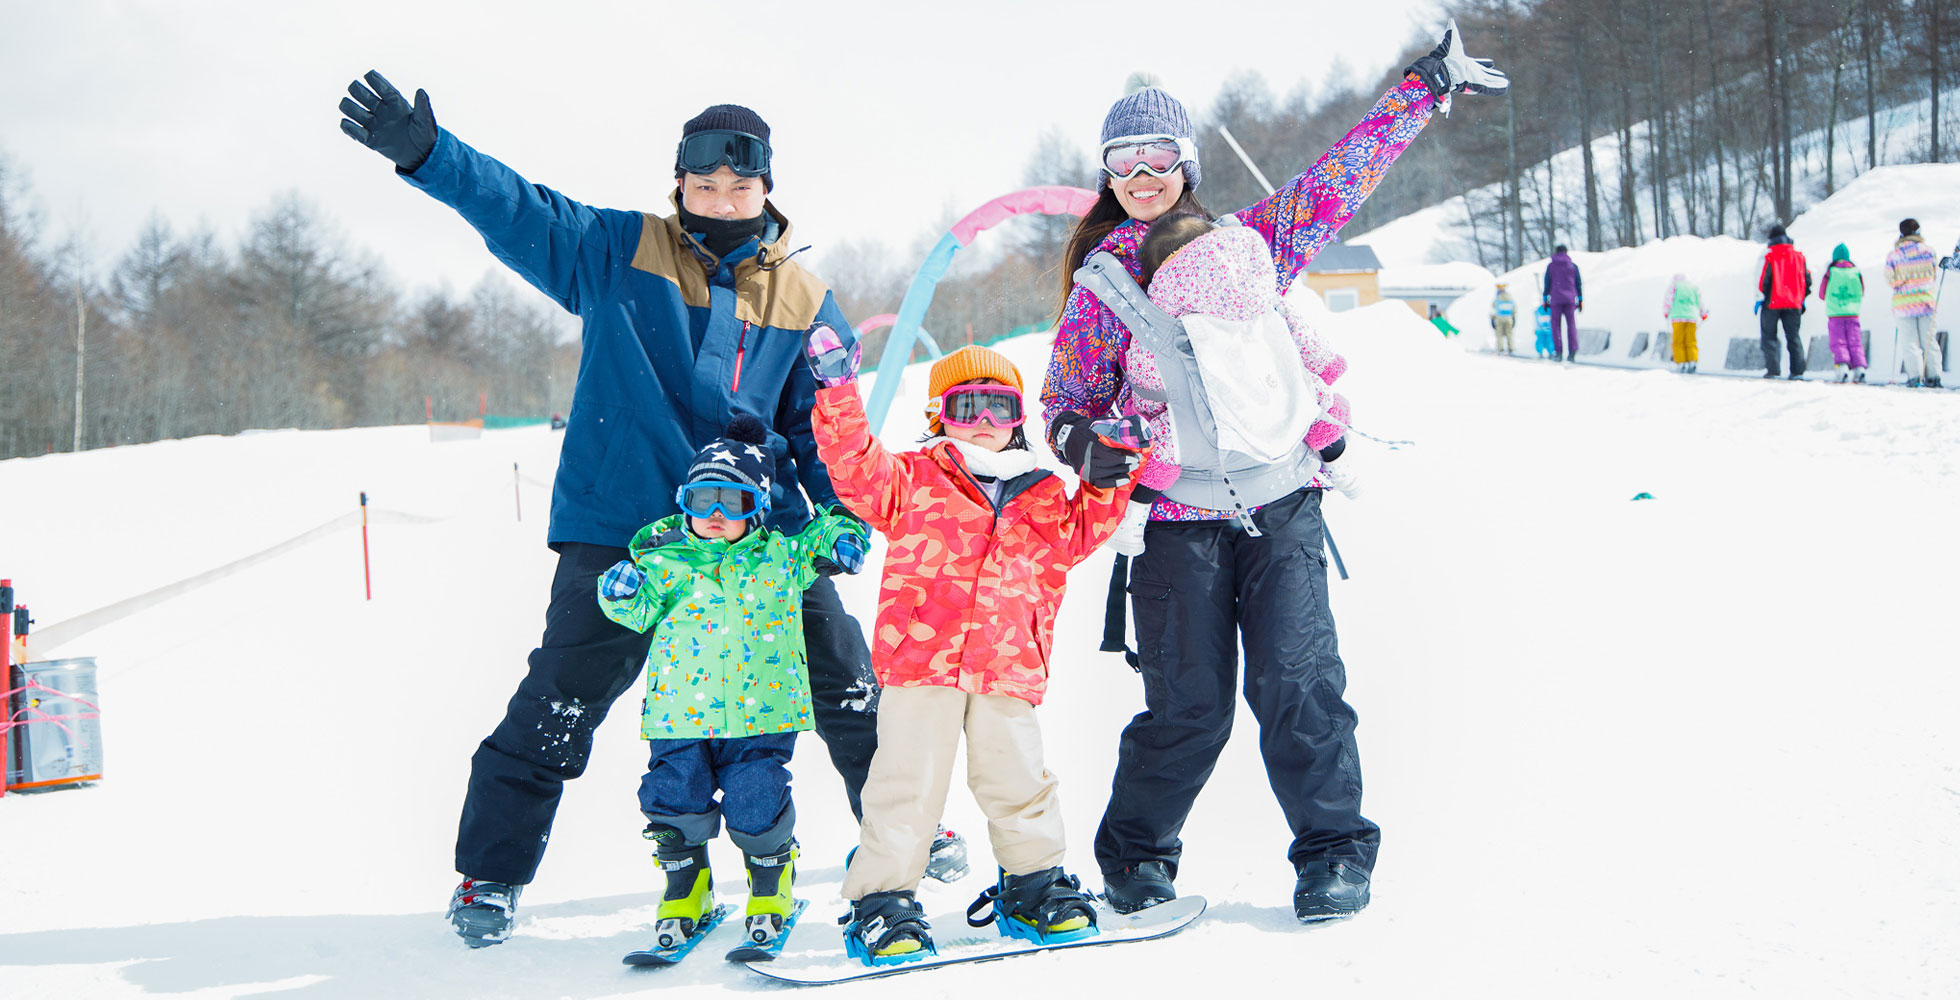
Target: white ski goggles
(1156, 155)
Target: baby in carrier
(1217, 280)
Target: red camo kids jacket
(969, 593)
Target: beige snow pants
(918, 731)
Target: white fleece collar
(1005, 464)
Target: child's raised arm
(834, 536)
(637, 593)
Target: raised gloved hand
(831, 361)
(1103, 452)
(1446, 70)
(848, 554)
(622, 581)
(379, 118)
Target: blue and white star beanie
(741, 455)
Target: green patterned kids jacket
(727, 656)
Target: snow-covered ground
(1698, 745)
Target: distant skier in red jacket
(1785, 283)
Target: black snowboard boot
(1046, 907)
(482, 912)
(1146, 883)
(1329, 890)
(885, 928)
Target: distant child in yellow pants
(1682, 305)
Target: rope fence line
(73, 628)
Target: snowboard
(766, 951)
(820, 959)
(657, 956)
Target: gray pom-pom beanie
(1151, 111)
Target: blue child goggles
(735, 501)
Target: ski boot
(770, 902)
(1328, 890)
(482, 912)
(1046, 907)
(1858, 375)
(947, 860)
(690, 895)
(1145, 883)
(1843, 373)
(1933, 382)
(886, 928)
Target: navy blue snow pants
(1200, 589)
(752, 774)
(582, 665)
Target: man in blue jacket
(688, 320)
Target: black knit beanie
(740, 455)
(731, 118)
(1909, 227)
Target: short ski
(670, 953)
(822, 961)
(769, 945)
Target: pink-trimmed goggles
(967, 405)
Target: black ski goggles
(965, 405)
(710, 150)
(735, 501)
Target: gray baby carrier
(1236, 393)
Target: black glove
(380, 119)
(1446, 70)
(1333, 451)
(1097, 460)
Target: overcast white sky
(886, 117)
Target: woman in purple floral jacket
(1204, 584)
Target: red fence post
(6, 680)
(367, 574)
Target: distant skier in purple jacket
(1565, 297)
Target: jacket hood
(1903, 240)
(1227, 272)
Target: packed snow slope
(1697, 745)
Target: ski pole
(1332, 548)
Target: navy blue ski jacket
(675, 343)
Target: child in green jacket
(728, 688)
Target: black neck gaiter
(723, 236)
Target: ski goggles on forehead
(967, 405)
(707, 151)
(1155, 154)
(735, 501)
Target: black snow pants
(1199, 590)
(582, 665)
(1791, 319)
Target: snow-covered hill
(1624, 286)
(1699, 745)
